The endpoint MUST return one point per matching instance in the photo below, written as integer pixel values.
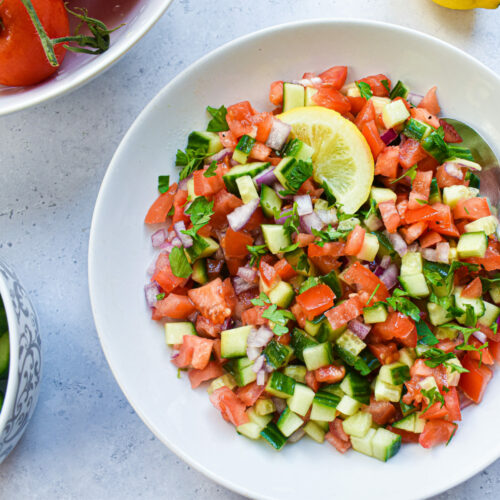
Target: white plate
(77, 69)
(120, 251)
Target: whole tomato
(22, 58)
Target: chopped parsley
(400, 303)
(411, 173)
(163, 183)
(200, 212)
(179, 263)
(160, 296)
(466, 332)
(435, 357)
(373, 294)
(310, 282)
(256, 253)
(210, 172)
(385, 83)
(218, 122)
(279, 317)
(292, 223)
(261, 300)
(425, 335)
(328, 235)
(365, 90)
(190, 160)
(433, 396)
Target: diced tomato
(330, 374)
(494, 348)
(452, 403)
(423, 213)
(450, 134)
(285, 339)
(341, 446)
(357, 103)
(435, 411)
(331, 249)
(160, 208)
(397, 326)
(382, 412)
(430, 238)
(164, 276)
(264, 123)
(390, 215)
(180, 199)
(421, 186)
(255, 220)
(385, 353)
(299, 315)
(334, 77)
(444, 179)
(388, 162)
(239, 118)
(228, 139)
(343, 313)
(311, 381)
(372, 136)
(284, 269)
(303, 239)
(365, 115)
(491, 259)
(250, 393)
(210, 301)
(474, 383)
(472, 209)
(268, 273)
(194, 351)
(423, 115)
(366, 281)
(444, 221)
(260, 152)
(473, 290)
(430, 102)
(316, 300)
(206, 328)
(355, 241)
(402, 207)
(331, 98)
(406, 436)
(208, 186)
(253, 316)
(484, 356)
(235, 244)
(375, 83)
(232, 409)
(429, 163)
(410, 152)
(276, 93)
(173, 306)
(211, 371)
(413, 232)
(436, 432)
(224, 204)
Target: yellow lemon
(342, 158)
(468, 4)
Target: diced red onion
(151, 290)
(233, 162)
(278, 187)
(389, 136)
(278, 135)
(414, 98)
(249, 274)
(240, 216)
(413, 248)
(219, 156)
(152, 267)
(193, 316)
(480, 336)
(171, 235)
(261, 378)
(359, 328)
(443, 252)
(240, 285)
(304, 204)
(429, 254)
(253, 353)
(158, 238)
(279, 404)
(167, 245)
(453, 168)
(464, 400)
(176, 242)
(219, 254)
(309, 82)
(185, 239)
(228, 323)
(183, 184)
(259, 361)
(296, 436)
(266, 177)
(284, 215)
(390, 276)
(259, 240)
(385, 262)
(310, 222)
(327, 216)
(260, 337)
(398, 243)
(471, 165)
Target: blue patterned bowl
(25, 361)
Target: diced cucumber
(387, 392)
(373, 223)
(293, 96)
(370, 248)
(407, 423)
(276, 237)
(435, 192)
(415, 285)
(364, 444)
(297, 372)
(277, 354)
(385, 444)
(190, 189)
(453, 194)
(269, 201)
(495, 294)
(366, 362)
(462, 303)
(358, 425)
(246, 188)
(348, 405)
(332, 280)
(324, 406)
(351, 90)
(443, 333)
(452, 376)
(348, 224)
(375, 314)
(243, 148)
(174, 332)
(200, 274)
(487, 224)
(490, 314)
(280, 385)
(298, 150)
(260, 420)
(317, 356)
(314, 431)
(333, 389)
(264, 406)
(299, 341)
(416, 129)
(379, 195)
(300, 262)
(472, 245)
(273, 436)
(202, 247)
(407, 356)
(348, 346)
(241, 370)
(395, 113)
(427, 384)
(289, 422)
(437, 315)
(234, 342)
(226, 380)
(301, 400)
(282, 294)
(250, 430)
(394, 373)
(435, 146)
(411, 263)
(310, 92)
(379, 103)
(209, 142)
(399, 90)
(357, 387)
(251, 169)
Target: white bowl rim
(12, 380)
(192, 68)
(89, 71)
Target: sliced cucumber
(243, 148)
(273, 436)
(416, 129)
(174, 332)
(379, 195)
(269, 201)
(490, 314)
(264, 406)
(364, 444)
(415, 285)
(348, 346)
(314, 431)
(241, 370)
(324, 406)
(411, 263)
(226, 380)
(385, 444)
(250, 430)
(357, 387)
(486, 224)
(387, 392)
(202, 247)
(277, 354)
(310, 93)
(394, 373)
(375, 314)
(289, 422)
(200, 273)
(348, 405)
(276, 237)
(370, 248)
(282, 294)
(293, 96)
(206, 141)
(299, 341)
(358, 425)
(251, 169)
(280, 385)
(472, 245)
(437, 315)
(246, 188)
(298, 150)
(297, 372)
(395, 113)
(234, 342)
(317, 356)
(301, 400)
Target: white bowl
(77, 69)
(120, 251)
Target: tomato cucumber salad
(329, 268)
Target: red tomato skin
(334, 77)
(430, 102)
(276, 93)
(376, 85)
(161, 206)
(330, 374)
(343, 313)
(390, 215)
(331, 98)
(355, 241)
(388, 162)
(436, 432)
(474, 383)
(316, 300)
(22, 58)
(211, 371)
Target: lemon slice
(342, 157)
